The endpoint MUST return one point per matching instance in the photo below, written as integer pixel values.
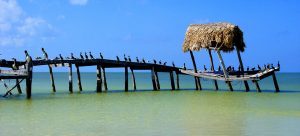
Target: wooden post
(224, 71)
(126, 79)
(133, 79)
(213, 68)
(172, 80)
(177, 80)
(78, 78)
(18, 86)
(275, 83)
(104, 79)
(257, 85)
(157, 80)
(153, 79)
(99, 79)
(29, 79)
(197, 79)
(52, 79)
(242, 69)
(70, 78)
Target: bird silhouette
(272, 66)
(72, 56)
(129, 59)
(259, 68)
(86, 56)
(118, 59)
(159, 62)
(165, 63)
(248, 68)
(38, 58)
(91, 56)
(56, 58)
(45, 54)
(125, 59)
(28, 57)
(173, 64)
(184, 67)
(81, 56)
(278, 64)
(205, 69)
(14, 66)
(101, 56)
(61, 57)
(154, 61)
(137, 59)
(253, 68)
(144, 60)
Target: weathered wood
(126, 79)
(13, 72)
(153, 79)
(18, 86)
(197, 79)
(172, 80)
(256, 85)
(133, 79)
(242, 68)
(99, 79)
(224, 71)
(157, 80)
(104, 78)
(177, 80)
(275, 83)
(70, 79)
(78, 78)
(29, 67)
(213, 68)
(52, 79)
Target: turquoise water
(144, 112)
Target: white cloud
(17, 28)
(78, 2)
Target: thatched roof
(219, 36)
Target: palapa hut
(223, 37)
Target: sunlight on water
(168, 113)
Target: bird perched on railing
(81, 56)
(278, 64)
(56, 58)
(91, 56)
(61, 57)
(101, 56)
(125, 59)
(45, 54)
(259, 68)
(239, 68)
(143, 60)
(165, 63)
(272, 66)
(137, 60)
(118, 59)
(38, 58)
(184, 67)
(129, 59)
(14, 65)
(28, 57)
(154, 61)
(72, 56)
(248, 68)
(173, 64)
(86, 56)
(159, 62)
(205, 69)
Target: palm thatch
(218, 36)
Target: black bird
(232, 68)
(28, 57)
(137, 59)
(14, 66)
(45, 54)
(219, 68)
(144, 60)
(184, 67)
(259, 68)
(91, 56)
(268, 66)
(173, 64)
(86, 56)
(118, 59)
(125, 59)
(253, 68)
(56, 58)
(165, 63)
(81, 56)
(154, 61)
(159, 62)
(68, 58)
(205, 68)
(240, 69)
(278, 64)
(38, 58)
(265, 66)
(248, 68)
(72, 56)
(61, 57)
(101, 56)
(272, 66)
(129, 59)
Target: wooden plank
(18, 86)
(242, 69)
(70, 79)
(224, 71)
(99, 79)
(126, 79)
(197, 80)
(157, 80)
(13, 72)
(52, 78)
(275, 83)
(78, 78)
(213, 68)
(153, 79)
(104, 78)
(133, 79)
(177, 80)
(257, 85)
(172, 80)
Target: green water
(168, 113)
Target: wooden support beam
(213, 68)
(197, 79)
(104, 78)
(157, 80)
(177, 80)
(78, 78)
(29, 67)
(70, 79)
(99, 79)
(172, 80)
(256, 85)
(133, 79)
(242, 69)
(126, 79)
(224, 71)
(153, 79)
(52, 79)
(18, 86)
(275, 83)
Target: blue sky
(148, 28)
